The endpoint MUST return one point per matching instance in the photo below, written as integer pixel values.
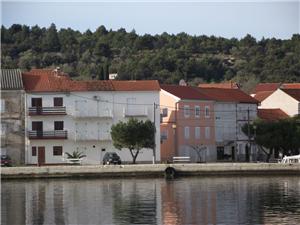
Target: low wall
(149, 170)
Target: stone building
(12, 115)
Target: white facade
(89, 117)
(280, 99)
(230, 117)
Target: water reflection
(236, 200)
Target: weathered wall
(12, 125)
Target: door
(41, 155)
(38, 127)
(37, 103)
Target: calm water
(229, 200)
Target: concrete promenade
(149, 170)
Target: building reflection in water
(198, 200)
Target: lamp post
(254, 128)
(174, 134)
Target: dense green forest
(166, 57)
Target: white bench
(181, 159)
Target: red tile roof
(262, 95)
(230, 85)
(266, 87)
(291, 86)
(294, 93)
(185, 92)
(271, 114)
(48, 81)
(228, 95)
(215, 94)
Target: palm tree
(75, 155)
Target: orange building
(187, 124)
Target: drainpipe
(175, 130)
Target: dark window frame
(35, 102)
(57, 150)
(58, 125)
(58, 101)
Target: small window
(36, 102)
(207, 132)
(58, 101)
(3, 129)
(197, 132)
(187, 132)
(33, 151)
(164, 135)
(207, 113)
(58, 125)
(57, 150)
(2, 105)
(197, 111)
(186, 111)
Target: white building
(288, 100)
(232, 109)
(63, 115)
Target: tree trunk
(134, 156)
(269, 155)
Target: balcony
(93, 137)
(54, 134)
(92, 114)
(39, 111)
(138, 111)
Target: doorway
(41, 155)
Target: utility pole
(249, 141)
(154, 136)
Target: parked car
(5, 160)
(111, 158)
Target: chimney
(57, 71)
(182, 83)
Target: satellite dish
(182, 83)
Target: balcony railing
(93, 114)
(138, 111)
(93, 137)
(56, 110)
(53, 134)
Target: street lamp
(254, 128)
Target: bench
(181, 159)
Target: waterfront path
(149, 170)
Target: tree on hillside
(133, 135)
(51, 41)
(166, 57)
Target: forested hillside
(165, 57)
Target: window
(58, 101)
(57, 150)
(197, 111)
(2, 105)
(3, 129)
(187, 132)
(164, 135)
(33, 151)
(197, 132)
(186, 111)
(207, 113)
(207, 132)
(58, 125)
(36, 102)
(220, 153)
(37, 125)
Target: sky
(268, 18)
